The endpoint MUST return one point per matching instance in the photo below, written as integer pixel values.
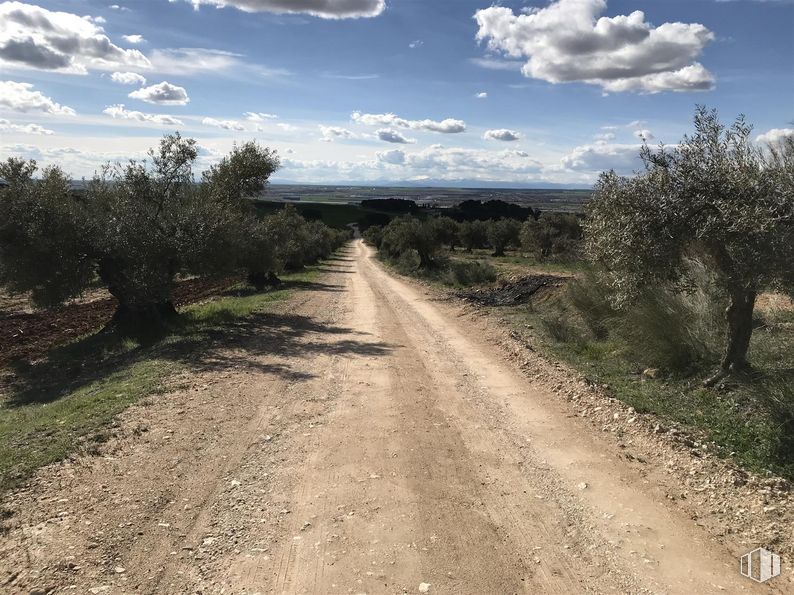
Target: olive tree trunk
(739, 315)
(143, 317)
(739, 319)
(134, 316)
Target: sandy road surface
(365, 441)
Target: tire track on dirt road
(367, 441)
(482, 495)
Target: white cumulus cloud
(259, 116)
(389, 135)
(118, 112)
(446, 126)
(502, 134)
(128, 78)
(393, 157)
(8, 126)
(333, 132)
(225, 124)
(133, 39)
(569, 41)
(162, 94)
(601, 156)
(324, 9)
(20, 97)
(36, 38)
(442, 162)
(775, 135)
(644, 134)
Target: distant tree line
(140, 225)
(392, 205)
(548, 235)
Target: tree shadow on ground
(339, 259)
(333, 269)
(267, 343)
(285, 285)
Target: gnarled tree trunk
(262, 280)
(739, 318)
(134, 316)
(143, 317)
(739, 315)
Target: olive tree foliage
(136, 227)
(447, 230)
(551, 234)
(43, 248)
(297, 242)
(502, 234)
(408, 233)
(716, 196)
(373, 235)
(473, 234)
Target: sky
(453, 92)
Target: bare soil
(511, 292)
(27, 334)
(382, 440)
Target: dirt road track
(367, 441)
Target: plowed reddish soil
(29, 335)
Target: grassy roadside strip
(743, 422)
(67, 403)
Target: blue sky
(367, 91)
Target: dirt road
(366, 441)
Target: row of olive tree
(717, 196)
(552, 234)
(140, 225)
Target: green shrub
(777, 397)
(677, 329)
(469, 273)
(557, 325)
(591, 300)
(658, 330)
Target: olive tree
(291, 237)
(446, 229)
(715, 195)
(473, 234)
(551, 233)
(136, 227)
(502, 234)
(43, 247)
(408, 233)
(373, 235)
